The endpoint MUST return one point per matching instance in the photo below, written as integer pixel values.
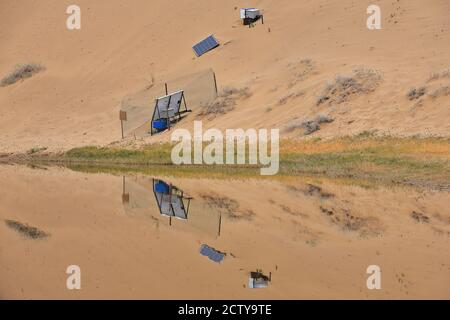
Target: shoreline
(420, 162)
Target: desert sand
(125, 47)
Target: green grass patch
(413, 161)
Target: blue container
(160, 124)
(162, 187)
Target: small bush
(225, 102)
(21, 72)
(362, 81)
(26, 230)
(36, 150)
(288, 97)
(302, 70)
(416, 93)
(310, 125)
(439, 75)
(440, 92)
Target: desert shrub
(439, 75)
(440, 92)
(36, 150)
(20, 72)
(225, 101)
(26, 230)
(302, 70)
(309, 125)
(362, 81)
(290, 96)
(416, 93)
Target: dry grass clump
(229, 207)
(440, 92)
(362, 81)
(225, 101)
(26, 230)
(420, 217)
(290, 96)
(303, 70)
(440, 75)
(348, 222)
(416, 93)
(310, 125)
(21, 72)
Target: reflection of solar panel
(205, 45)
(211, 253)
(170, 200)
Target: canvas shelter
(137, 109)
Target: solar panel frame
(205, 45)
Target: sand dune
(123, 47)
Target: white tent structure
(250, 15)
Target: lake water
(175, 237)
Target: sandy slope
(124, 45)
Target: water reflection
(257, 279)
(320, 234)
(141, 195)
(170, 200)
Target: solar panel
(168, 106)
(205, 45)
(211, 253)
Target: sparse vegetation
(440, 92)
(412, 161)
(349, 222)
(420, 217)
(21, 72)
(309, 126)
(302, 70)
(440, 75)
(36, 150)
(154, 154)
(416, 93)
(290, 96)
(225, 102)
(228, 207)
(362, 81)
(26, 230)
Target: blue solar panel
(211, 253)
(205, 45)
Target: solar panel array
(205, 45)
(211, 253)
